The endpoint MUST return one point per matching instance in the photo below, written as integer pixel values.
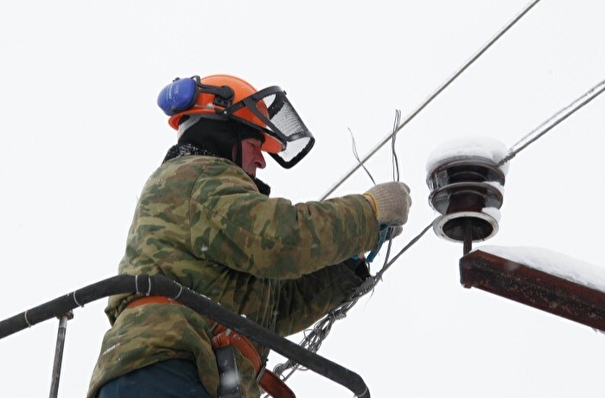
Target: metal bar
(161, 286)
(54, 387)
(533, 288)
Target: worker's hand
(391, 201)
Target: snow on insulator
(467, 189)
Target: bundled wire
(314, 337)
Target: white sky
(81, 133)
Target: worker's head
(228, 139)
(267, 114)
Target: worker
(205, 220)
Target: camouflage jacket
(201, 221)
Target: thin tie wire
(356, 155)
(313, 340)
(551, 122)
(431, 97)
(393, 151)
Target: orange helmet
(206, 104)
(287, 139)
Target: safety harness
(223, 341)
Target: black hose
(159, 285)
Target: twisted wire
(314, 337)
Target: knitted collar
(178, 150)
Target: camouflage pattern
(201, 221)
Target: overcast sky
(81, 133)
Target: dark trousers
(174, 378)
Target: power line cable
(438, 91)
(551, 122)
(322, 328)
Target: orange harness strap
(267, 380)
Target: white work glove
(391, 201)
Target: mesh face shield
(282, 122)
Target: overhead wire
(553, 121)
(315, 337)
(433, 95)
